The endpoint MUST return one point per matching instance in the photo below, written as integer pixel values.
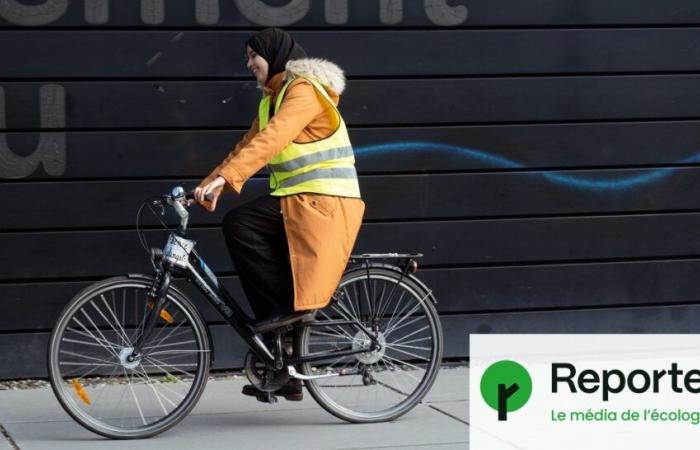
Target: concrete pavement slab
(451, 384)
(226, 419)
(462, 445)
(40, 405)
(30, 405)
(312, 429)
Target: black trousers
(257, 242)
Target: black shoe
(291, 391)
(279, 321)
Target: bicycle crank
(263, 377)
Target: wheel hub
(361, 341)
(126, 360)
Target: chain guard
(262, 377)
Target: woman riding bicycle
(290, 247)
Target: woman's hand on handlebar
(209, 192)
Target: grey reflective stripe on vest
(340, 172)
(305, 160)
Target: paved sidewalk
(225, 419)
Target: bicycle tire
(109, 333)
(330, 392)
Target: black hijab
(277, 47)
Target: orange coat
(321, 229)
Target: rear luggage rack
(386, 256)
(405, 261)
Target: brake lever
(159, 204)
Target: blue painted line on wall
(564, 179)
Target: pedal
(267, 397)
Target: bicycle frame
(197, 272)
(179, 256)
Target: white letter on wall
(336, 12)
(32, 15)
(440, 13)
(96, 11)
(273, 16)
(152, 11)
(391, 12)
(51, 150)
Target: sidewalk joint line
(431, 445)
(452, 416)
(12, 442)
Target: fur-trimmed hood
(321, 70)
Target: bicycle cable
(150, 202)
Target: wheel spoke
(106, 344)
(368, 297)
(427, 349)
(352, 306)
(147, 380)
(407, 315)
(136, 400)
(338, 327)
(97, 330)
(122, 332)
(397, 327)
(191, 341)
(95, 338)
(398, 302)
(413, 340)
(91, 358)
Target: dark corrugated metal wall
(543, 155)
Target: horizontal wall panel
(47, 300)
(564, 285)
(97, 155)
(457, 290)
(521, 99)
(666, 319)
(358, 13)
(24, 355)
(152, 54)
(233, 103)
(101, 253)
(74, 204)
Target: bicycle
(129, 356)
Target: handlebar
(179, 200)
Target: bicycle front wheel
(380, 385)
(97, 382)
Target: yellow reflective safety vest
(326, 166)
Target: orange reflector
(165, 315)
(80, 391)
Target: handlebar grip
(190, 196)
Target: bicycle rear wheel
(379, 385)
(89, 367)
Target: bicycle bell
(178, 193)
